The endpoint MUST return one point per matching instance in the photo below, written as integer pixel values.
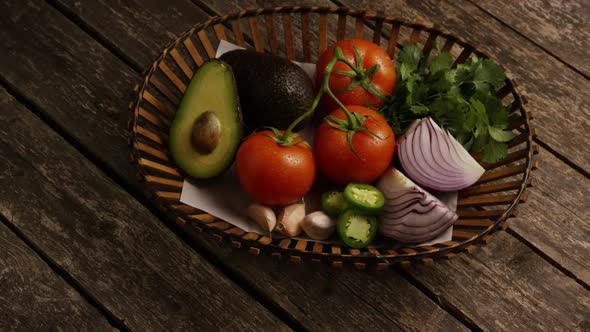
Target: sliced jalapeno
(356, 229)
(364, 197)
(333, 203)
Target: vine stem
(324, 89)
(353, 123)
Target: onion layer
(433, 158)
(411, 214)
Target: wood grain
(553, 243)
(303, 313)
(321, 298)
(52, 62)
(554, 233)
(559, 96)
(561, 27)
(556, 217)
(287, 291)
(32, 296)
(505, 286)
(147, 24)
(112, 245)
(284, 289)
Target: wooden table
(81, 248)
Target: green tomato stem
(324, 88)
(353, 124)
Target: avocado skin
(273, 91)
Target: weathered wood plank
(147, 31)
(112, 245)
(322, 298)
(556, 217)
(559, 96)
(506, 286)
(553, 235)
(258, 269)
(32, 296)
(553, 242)
(290, 292)
(53, 71)
(561, 27)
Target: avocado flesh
(273, 91)
(212, 89)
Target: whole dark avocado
(273, 91)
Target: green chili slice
(356, 230)
(364, 197)
(333, 203)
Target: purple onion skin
(411, 214)
(434, 159)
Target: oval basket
(301, 33)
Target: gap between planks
(234, 276)
(138, 68)
(548, 258)
(452, 310)
(555, 153)
(553, 55)
(203, 7)
(579, 169)
(115, 321)
(440, 301)
(231, 274)
(102, 40)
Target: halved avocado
(206, 131)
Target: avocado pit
(206, 132)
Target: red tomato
(371, 54)
(337, 162)
(274, 174)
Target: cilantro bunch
(462, 100)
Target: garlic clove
(318, 225)
(290, 218)
(263, 215)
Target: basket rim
(381, 259)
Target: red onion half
(433, 158)
(411, 215)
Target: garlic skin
(290, 219)
(263, 215)
(318, 225)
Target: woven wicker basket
(301, 33)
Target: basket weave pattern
(301, 33)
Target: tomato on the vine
(339, 163)
(273, 173)
(371, 79)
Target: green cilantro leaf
(411, 55)
(420, 109)
(441, 81)
(441, 62)
(481, 117)
(494, 151)
(490, 73)
(462, 99)
(500, 135)
(406, 70)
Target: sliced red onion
(433, 158)
(411, 214)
